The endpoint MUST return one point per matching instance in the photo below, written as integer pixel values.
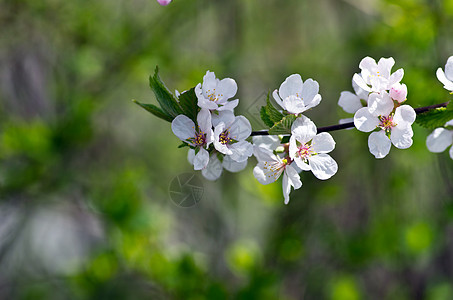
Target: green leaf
(284, 126)
(285, 139)
(183, 145)
(166, 100)
(264, 116)
(155, 111)
(189, 104)
(435, 118)
(272, 112)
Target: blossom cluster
(378, 106)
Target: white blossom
(229, 138)
(213, 94)
(376, 77)
(296, 96)
(440, 139)
(446, 77)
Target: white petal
(310, 89)
(361, 82)
(449, 68)
(315, 101)
(240, 129)
(451, 152)
(303, 129)
(270, 142)
(361, 93)
(439, 140)
(214, 168)
(191, 156)
(301, 164)
(449, 123)
(294, 105)
(385, 66)
(380, 104)
(204, 120)
(367, 63)
(226, 89)
(365, 121)
(395, 77)
(323, 143)
(241, 151)
(291, 86)
(401, 137)
(323, 166)
(349, 102)
(201, 159)
(379, 144)
(404, 114)
(442, 78)
(183, 127)
(229, 105)
(277, 98)
(209, 83)
(233, 166)
(261, 174)
(263, 154)
(206, 104)
(293, 177)
(286, 187)
(225, 116)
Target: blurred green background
(85, 211)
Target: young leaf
(188, 102)
(166, 100)
(284, 126)
(155, 111)
(272, 112)
(264, 116)
(435, 118)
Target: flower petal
(442, 78)
(225, 116)
(291, 86)
(404, 114)
(379, 144)
(191, 156)
(229, 105)
(213, 170)
(241, 151)
(303, 129)
(349, 102)
(361, 82)
(233, 166)
(183, 127)
(277, 98)
(380, 104)
(365, 121)
(361, 93)
(263, 154)
(395, 77)
(302, 164)
(270, 142)
(209, 83)
(401, 137)
(240, 128)
(439, 140)
(293, 177)
(323, 143)
(449, 68)
(310, 89)
(201, 159)
(226, 89)
(323, 166)
(261, 174)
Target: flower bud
(164, 2)
(398, 92)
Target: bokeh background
(85, 210)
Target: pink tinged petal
(361, 93)
(229, 105)
(385, 66)
(361, 82)
(404, 115)
(270, 142)
(233, 166)
(395, 77)
(293, 177)
(316, 100)
(261, 175)
(183, 127)
(240, 129)
(323, 166)
(303, 129)
(291, 86)
(201, 159)
(401, 137)
(379, 144)
(191, 156)
(225, 116)
(398, 92)
(226, 89)
(214, 169)
(349, 102)
(164, 2)
(310, 89)
(365, 121)
(302, 164)
(439, 140)
(323, 143)
(442, 78)
(241, 151)
(380, 104)
(449, 68)
(277, 98)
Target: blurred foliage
(85, 211)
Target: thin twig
(418, 110)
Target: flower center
(387, 123)
(213, 96)
(304, 151)
(224, 137)
(200, 139)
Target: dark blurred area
(85, 208)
